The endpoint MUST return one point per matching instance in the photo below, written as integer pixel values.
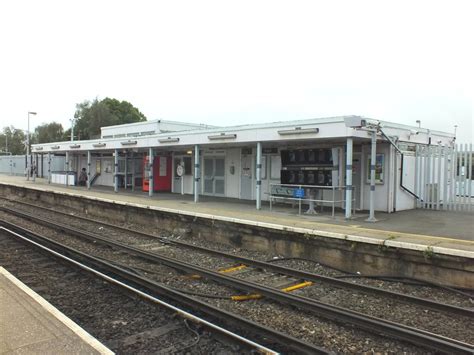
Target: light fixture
(168, 140)
(298, 130)
(55, 147)
(39, 148)
(99, 145)
(222, 136)
(129, 142)
(75, 146)
(189, 152)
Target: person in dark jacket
(83, 177)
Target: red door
(161, 173)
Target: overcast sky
(227, 63)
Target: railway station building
(348, 162)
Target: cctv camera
(413, 132)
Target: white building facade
(251, 162)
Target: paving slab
(31, 325)
(452, 232)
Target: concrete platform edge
(387, 241)
(80, 332)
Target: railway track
(144, 288)
(238, 265)
(371, 324)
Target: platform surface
(447, 232)
(31, 325)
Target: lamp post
(419, 123)
(73, 123)
(28, 168)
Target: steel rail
(438, 306)
(109, 272)
(335, 313)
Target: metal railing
(305, 193)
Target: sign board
(282, 191)
(298, 193)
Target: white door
(214, 176)
(357, 178)
(246, 177)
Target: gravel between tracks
(333, 336)
(124, 323)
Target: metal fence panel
(444, 177)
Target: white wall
(232, 181)
(403, 200)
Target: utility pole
(28, 167)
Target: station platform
(31, 325)
(446, 232)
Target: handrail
(311, 201)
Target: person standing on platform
(83, 177)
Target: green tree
(49, 132)
(91, 115)
(15, 138)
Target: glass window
(187, 166)
(275, 167)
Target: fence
(444, 177)
(16, 164)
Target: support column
(348, 213)
(373, 150)
(150, 176)
(197, 174)
(67, 169)
(88, 170)
(126, 170)
(116, 155)
(133, 171)
(259, 177)
(49, 168)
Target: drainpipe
(88, 170)
(67, 169)
(116, 170)
(197, 174)
(150, 176)
(348, 212)
(49, 168)
(373, 155)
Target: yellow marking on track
(233, 268)
(297, 286)
(256, 296)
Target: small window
(275, 167)
(187, 166)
